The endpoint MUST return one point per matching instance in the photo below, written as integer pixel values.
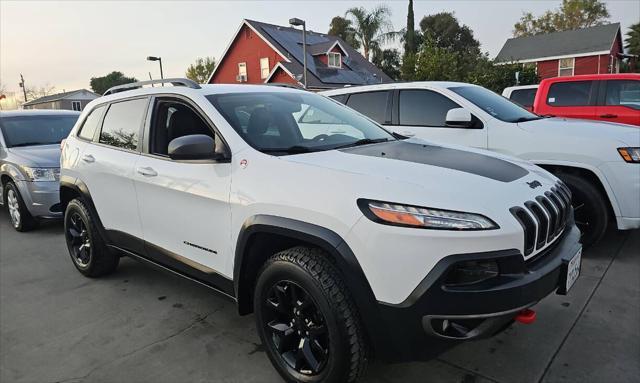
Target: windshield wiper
(290, 150)
(32, 144)
(525, 119)
(364, 141)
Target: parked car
(600, 162)
(606, 97)
(523, 95)
(345, 240)
(30, 163)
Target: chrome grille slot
(529, 227)
(551, 213)
(541, 220)
(544, 219)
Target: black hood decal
(461, 160)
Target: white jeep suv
(599, 161)
(345, 240)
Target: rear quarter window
(90, 125)
(571, 93)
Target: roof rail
(284, 85)
(135, 85)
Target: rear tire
(590, 208)
(307, 320)
(88, 251)
(21, 219)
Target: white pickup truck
(599, 161)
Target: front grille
(544, 219)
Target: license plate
(573, 269)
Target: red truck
(607, 97)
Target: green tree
(632, 40)
(201, 69)
(342, 28)
(388, 60)
(572, 14)
(408, 68)
(372, 29)
(436, 63)
(101, 84)
(497, 77)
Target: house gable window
(264, 68)
(242, 72)
(566, 66)
(76, 105)
(335, 60)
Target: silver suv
(30, 163)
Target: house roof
(573, 43)
(56, 97)
(287, 41)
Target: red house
(266, 53)
(592, 50)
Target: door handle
(88, 158)
(147, 172)
(609, 116)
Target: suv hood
(627, 135)
(46, 156)
(419, 172)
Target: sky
(63, 44)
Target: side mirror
(459, 118)
(192, 147)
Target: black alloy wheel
(591, 211)
(297, 328)
(78, 240)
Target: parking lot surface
(141, 325)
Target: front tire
(21, 219)
(88, 251)
(307, 320)
(590, 208)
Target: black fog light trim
(471, 272)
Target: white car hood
(627, 135)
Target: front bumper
(42, 198)
(430, 320)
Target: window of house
(623, 93)
(121, 126)
(371, 104)
(242, 70)
(76, 105)
(335, 60)
(90, 125)
(264, 67)
(424, 108)
(570, 93)
(566, 67)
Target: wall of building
(548, 68)
(282, 77)
(247, 47)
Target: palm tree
(373, 28)
(633, 39)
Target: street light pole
(297, 22)
(24, 89)
(159, 59)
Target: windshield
(36, 130)
(286, 123)
(497, 106)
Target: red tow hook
(526, 316)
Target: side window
(623, 93)
(571, 93)
(341, 98)
(122, 123)
(90, 125)
(424, 108)
(173, 119)
(524, 97)
(371, 104)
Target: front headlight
(424, 217)
(42, 174)
(630, 154)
